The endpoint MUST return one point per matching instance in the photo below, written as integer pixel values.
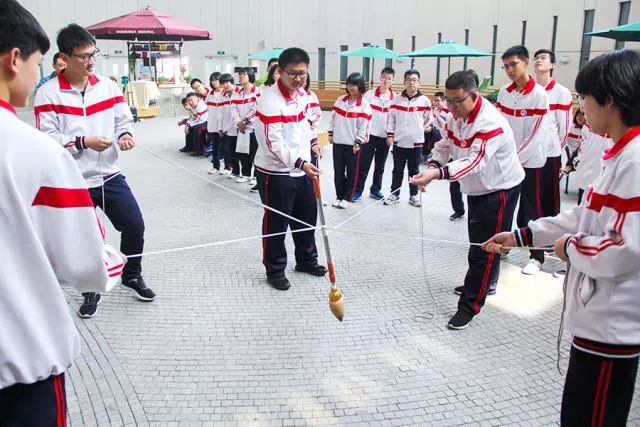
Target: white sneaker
(242, 179)
(532, 267)
(230, 175)
(225, 172)
(336, 203)
(391, 199)
(343, 204)
(212, 171)
(414, 201)
(253, 182)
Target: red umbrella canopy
(146, 25)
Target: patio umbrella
(267, 54)
(372, 51)
(148, 25)
(628, 32)
(448, 49)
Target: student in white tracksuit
(599, 239)
(588, 162)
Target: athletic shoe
(391, 199)
(460, 320)
(315, 270)
(89, 307)
(415, 201)
(336, 203)
(456, 216)
(280, 283)
(254, 189)
(225, 172)
(253, 181)
(376, 195)
(242, 180)
(213, 171)
(532, 267)
(356, 196)
(139, 289)
(458, 291)
(343, 204)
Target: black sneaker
(458, 290)
(139, 288)
(315, 270)
(460, 320)
(254, 189)
(89, 307)
(184, 150)
(280, 283)
(456, 216)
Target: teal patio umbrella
(267, 54)
(372, 51)
(448, 49)
(626, 33)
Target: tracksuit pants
(216, 145)
(43, 403)
(598, 390)
(531, 203)
(488, 215)
(345, 170)
(246, 159)
(230, 156)
(295, 197)
(456, 197)
(551, 186)
(122, 209)
(376, 148)
(402, 157)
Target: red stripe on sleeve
(63, 198)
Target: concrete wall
(241, 27)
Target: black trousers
(253, 149)
(598, 391)
(531, 203)
(345, 170)
(216, 146)
(456, 197)
(230, 156)
(376, 148)
(402, 157)
(246, 159)
(43, 403)
(124, 213)
(551, 186)
(488, 215)
(295, 197)
(580, 193)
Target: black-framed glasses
(87, 56)
(511, 65)
(456, 102)
(293, 76)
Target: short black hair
(226, 77)
(358, 80)
(388, 70)
(439, 94)
(271, 62)
(190, 94)
(214, 76)
(194, 80)
(410, 72)
(614, 77)
(72, 36)
(184, 100)
(518, 50)
(270, 78)
(55, 58)
(552, 56)
(466, 80)
(249, 72)
(19, 28)
(293, 55)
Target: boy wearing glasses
(599, 239)
(485, 163)
(284, 171)
(409, 119)
(525, 105)
(560, 104)
(88, 115)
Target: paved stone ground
(219, 346)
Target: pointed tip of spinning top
(336, 303)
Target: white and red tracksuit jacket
(560, 104)
(283, 131)
(214, 107)
(589, 160)
(380, 108)
(483, 152)
(527, 112)
(349, 125)
(409, 119)
(50, 238)
(68, 116)
(574, 138)
(244, 107)
(603, 285)
(314, 113)
(198, 114)
(226, 123)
